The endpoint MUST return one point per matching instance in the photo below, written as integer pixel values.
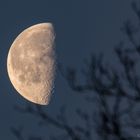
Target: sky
(81, 26)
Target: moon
(31, 63)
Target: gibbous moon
(31, 63)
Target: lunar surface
(31, 63)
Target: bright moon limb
(31, 63)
